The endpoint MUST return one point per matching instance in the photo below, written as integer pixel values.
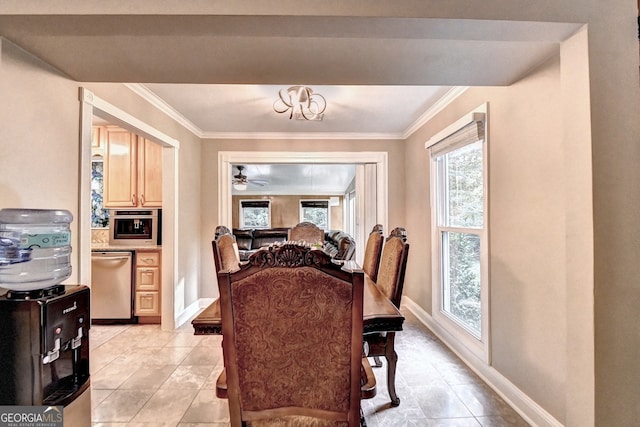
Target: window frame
(301, 210)
(241, 212)
(479, 346)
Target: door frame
(91, 105)
(365, 182)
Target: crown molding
(163, 106)
(300, 135)
(437, 107)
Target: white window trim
(241, 215)
(479, 347)
(316, 200)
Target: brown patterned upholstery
(307, 232)
(372, 252)
(393, 264)
(225, 250)
(292, 339)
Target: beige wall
(39, 137)
(285, 210)
(40, 141)
(539, 232)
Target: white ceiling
(246, 111)
(298, 179)
(219, 75)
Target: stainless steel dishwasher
(111, 286)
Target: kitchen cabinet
(149, 173)
(148, 281)
(98, 136)
(133, 170)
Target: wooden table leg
(392, 359)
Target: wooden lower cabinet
(147, 303)
(148, 284)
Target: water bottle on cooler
(35, 248)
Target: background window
(315, 211)
(255, 213)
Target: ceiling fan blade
(258, 182)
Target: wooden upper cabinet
(149, 173)
(133, 170)
(98, 136)
(120, 169)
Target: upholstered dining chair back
(393, 264)
(372, 252)
(307, 232)
(225, 250)
(292, 339)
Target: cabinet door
(147, 279)
(120, 169)
(147, 304)
(98, 136)
(149, 173)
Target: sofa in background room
(338, 244)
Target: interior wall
(39, 138)
(526, 229)
(285, 210)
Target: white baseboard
(192, 310)
(533, 413)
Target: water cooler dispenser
(44, 325)
(44, 348)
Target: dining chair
(225, 250)
(390, 281)
(307, 232)
(372, 252)
(292, 340)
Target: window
(350, 215)
(315, 211)
(460, 259)
(255, 213)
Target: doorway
(371, 182)
(91, 106)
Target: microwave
(135, 227)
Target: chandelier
(301, 102)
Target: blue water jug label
(45, 240)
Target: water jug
(35, 248)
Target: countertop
(106, 247)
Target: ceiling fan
(240, 181)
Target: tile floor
(144, 377)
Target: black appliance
(44, 345)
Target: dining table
(379, 317)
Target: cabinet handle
(142, 200)
(133, 200)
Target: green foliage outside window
(463, 211)
(318, 216)
(255, 217)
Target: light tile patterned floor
(144, 377)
